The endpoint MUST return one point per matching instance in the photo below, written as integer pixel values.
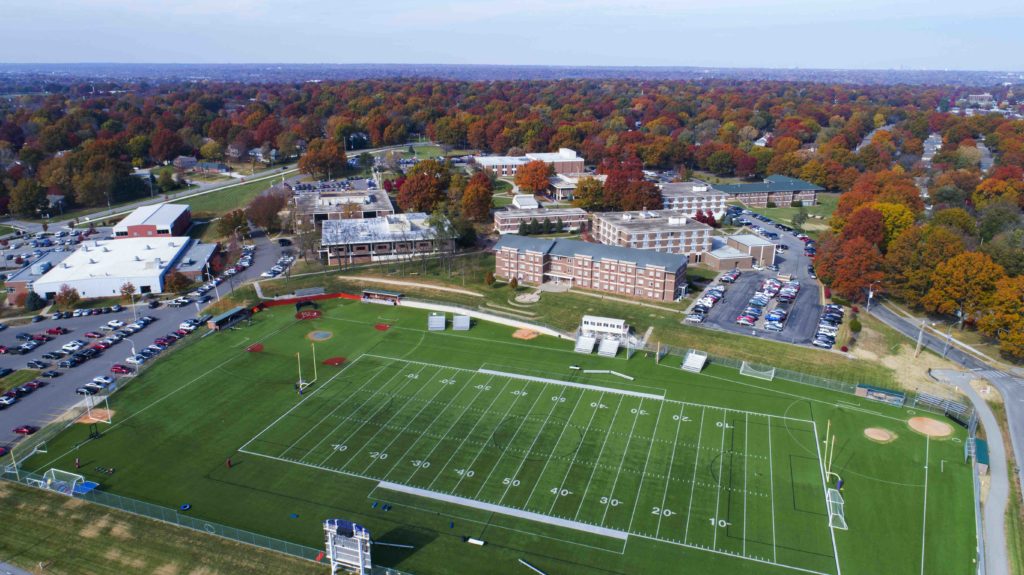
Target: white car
(759, 267)
(73, 346)
(268, 274)
(135, 360)
(115, 323)
(103, 379)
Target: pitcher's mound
(524, 334)
(879, 435)
(930, 427)
(319, 335)
(98, 416)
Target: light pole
(129, 340)
(949, 336)
(135, 314)
(209, 278)
(871, 292)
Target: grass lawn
(714, 470)
(221, 202)
(5, 229)
(819, 213)
(20, 377)
(48, 533)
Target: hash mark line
(422, 433)
(510, 442)
(583, 439)
(468, 434)
(450, 428)
(668, 474)
(718, 492)
(598, 460)
(746, 463)
(622, 460)
(771, 481)
(369, 418)
(924, 516)
(693, 482)
(547, 461)
(650, 447)
(540, 431)
(332, 412)
(728, 554)
(385, 449)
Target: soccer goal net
(836, 514)
(759, 371)
(63, 482)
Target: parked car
(26, 429)
(57, 330)
(7, 401)
(103, 380)
(37, 364)
(51, 373)
(86, 390)
(121, 369)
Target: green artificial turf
(733, 460)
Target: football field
(612, 462)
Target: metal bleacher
(585, 343)
(694, 361)
(609, 347)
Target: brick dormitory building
(644, 274)
(781, 191)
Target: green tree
(33, 302)
(589, 194)
(232, 223)
(212, 150)
(800, 217)
(176, 282)
(27, 198)
(721, 163)
(166, 181)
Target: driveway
(43, 405)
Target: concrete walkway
(414, 284)
(485, 316)
(993, 513)
(8, 569)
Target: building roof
(221, 317)
(597, 252)
(723, 251)
(751, 240)
(398, 227)
(155, 215)
(28, 273)
(774, 183)
(651, 220)
(121, 258)
(500, 160)
(336, 200)
(525, 202)
(695, 189)
(562, 155)
(195, 258)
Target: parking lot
(803, 313)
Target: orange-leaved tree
(533, 176)
(1005, 320)
(964, 285)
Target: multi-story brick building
(644, 274)
(564, 161)
(689, 197)
(572, 219)
(160, 220)
(781, 191)
(385, 238)
(662, 230)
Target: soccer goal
(59, 481)
(758, 371)
(836, 514)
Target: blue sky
(939, 34)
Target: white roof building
(154, 220)
(525, 202)
(100, 267)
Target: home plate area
(575, 455)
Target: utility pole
(920, 339)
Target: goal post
(836, 511)
(764, 372)
(60, 481)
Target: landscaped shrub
(844, 349)
(855, 326)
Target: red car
(100, 345)
(4, 451)
(41, 337)
(25, 429)
(93, 334)
(180, 332)
(121, 369)
(3, 349)
(57, 331)
(34, 385)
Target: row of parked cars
(699, 311)
(283, 263)
(828, 326)
(771, 288)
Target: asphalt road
(804, 312)
(46, 403)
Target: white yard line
(622, 460)
(824, 485)
(555, 402)
(746, 462)
(468, 435)
(412, 444)
(451, 427)
(643, 474)
(577, 452)
(729, 554)
(693, 481)
(426, 404)
(668, 474)
(329, 435)
(557, 441)
(510, 442)
(597, 460)
(571, 384)
(771, 481)
(718, 491)
(924, 514)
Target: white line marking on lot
(514, 476)
(597, 460)
(718, 491)
(668, 474)
(693, 482)
(468, 435)
(510, 442)
(924, 514)
(557, 441)
(583, 440)
(643, 476)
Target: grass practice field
(483, 435)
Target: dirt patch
(319, 335)
(167, 569)
(115, 555)
(910, 372)
(528, 298)
(308, 314)
(95, 529)
(524, 334)
(985, 389)
(930, 427)
(98, 415)
(879, 435)
(121, 531)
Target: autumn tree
(232, 223)
(323, 159)
(913, 256)
(127, 290)
(957, 219)
(176, 282)
(212, 150)
(27, 198)
(533, 176)
(589, 194)
(1007, 250)
(855, 265)
(895, 218)
(476, 198)
(865, 222)
(1005, 320)
(263, 210)
(424, 187)
(963, 285)
(67, 297)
